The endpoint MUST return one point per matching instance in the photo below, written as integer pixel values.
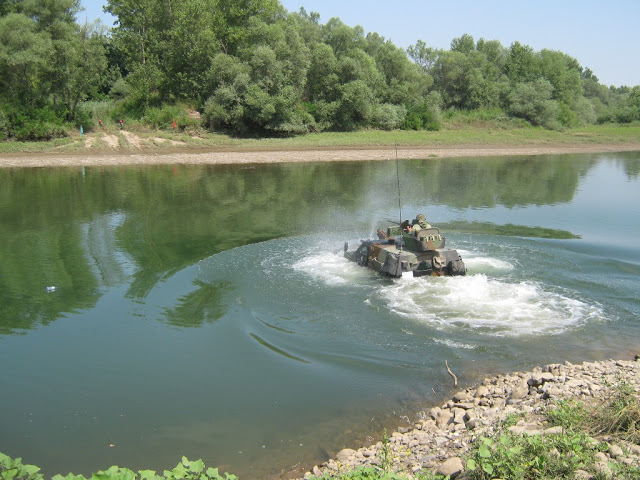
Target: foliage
(622, 417)
(163, 118)
(14, 469)
(619, 416)
(362, 473)
(252, 68)
(425, 116)
(508, 230)
(533, 102)
(559, 456)
(27, 124)
(386, 461)
(529, 457)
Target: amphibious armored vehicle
(408, 247)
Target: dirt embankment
(127, 148)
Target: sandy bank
(180, 156)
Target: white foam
(486, 264)
(452, 344)
(485, 305)
(330, 268)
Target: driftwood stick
(455, 379)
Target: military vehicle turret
(417, 247)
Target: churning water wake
(490, 300)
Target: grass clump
(529, 457)
(622, 418)
(618, 416)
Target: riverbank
(333, 154)
(143, 147)
(439, 441)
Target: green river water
(152, 312)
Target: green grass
(454, 134)
(507, 230)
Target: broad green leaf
(488, 468)
(179, 472)
(484, 451)
(9, 474)
(147, 475)
(126, 474)
(101, 476)
(213, 473)
(197, 466)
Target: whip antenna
(398, 178)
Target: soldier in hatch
(419, 223)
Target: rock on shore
(438, 441)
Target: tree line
(252, 68)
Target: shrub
(388, 116)
(90, 112)
(26, 124)
(163, 117)
(532, 101)
(425, 116)
(4, 126)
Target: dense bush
(26, 124)
(163, 118)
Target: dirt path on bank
(247, 156)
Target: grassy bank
(454, 134)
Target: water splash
(488, 305)
(488, 301)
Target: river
(151, 312)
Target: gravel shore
(439, 441)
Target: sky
(602, 35)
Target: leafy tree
(464, 44)
(449, 73)
(24, 57)
(231, 20)
(137, 33)
(187, 48)
(494, 52)
(262, 91)
(8, 6)
(423, 55)
(322, 79)
(405, 83)
(342, 38)
(85, 65)
(533, 102)
(564, 73)
(356, 107)
(138, 37)
(309, 26)
(521, 64)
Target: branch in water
(455, 379)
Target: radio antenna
(398, 178)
